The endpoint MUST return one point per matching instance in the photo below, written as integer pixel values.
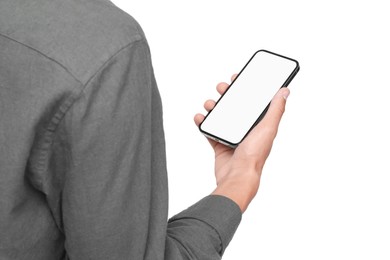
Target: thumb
(276, 109)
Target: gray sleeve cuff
(219, 212)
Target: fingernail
(286, 93)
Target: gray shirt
(82, 155)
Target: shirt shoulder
(79, 35)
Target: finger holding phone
(241, 151)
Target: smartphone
(247, 99)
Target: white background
(325, 190)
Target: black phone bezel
(285, 84)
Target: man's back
(82, 165)
(51, 52)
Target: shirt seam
(76, 93)
(68, 103)
(137, 38)
(43, 54)
(84, 86)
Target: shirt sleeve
(108, 181)
(204, 230)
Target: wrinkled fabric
(82, 154)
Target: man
(82, 165)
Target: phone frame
(285, 84)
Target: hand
(238, 170)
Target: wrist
(240, 186)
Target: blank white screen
(248, 96)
